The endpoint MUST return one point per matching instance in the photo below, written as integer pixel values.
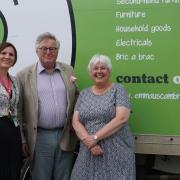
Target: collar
(41, 69)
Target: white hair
(99, 58)
(46, 35)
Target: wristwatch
(95, 137)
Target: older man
(47, 97)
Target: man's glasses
(46, 49)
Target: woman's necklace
(7, 84)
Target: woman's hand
(89, 141)
(25, 150)
(96, 150)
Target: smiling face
(100, 74)
(47, 53)
(7, 58)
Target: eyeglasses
(45, 49)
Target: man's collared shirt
(52, 98)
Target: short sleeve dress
(118, 159)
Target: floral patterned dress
(118, 160)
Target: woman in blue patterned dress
(101, 123)
(10, 137)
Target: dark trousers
(10, 150)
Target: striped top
(52, 98)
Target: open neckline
(104, 92)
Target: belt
(11, 119)
(5, 117)
(50, 129)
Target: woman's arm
(81, 131)
(78, 126)
(122, 115)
